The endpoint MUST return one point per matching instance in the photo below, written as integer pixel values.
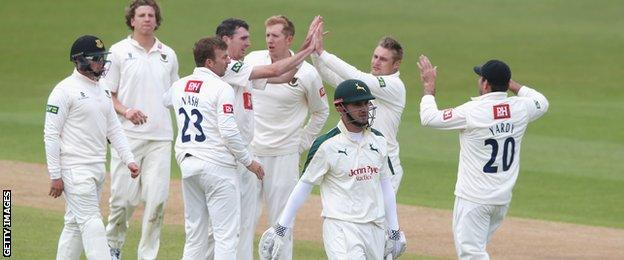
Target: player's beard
(369, 120)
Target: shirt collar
(491, 96)
(83, 78)
(204, 70)
(158, 46)
(343, 129)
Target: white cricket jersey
(140, 78)
(237, 75)
(204, 109)
(389, 92)
(281, 110)
(491, 130)
(349, 174)
(79, 120)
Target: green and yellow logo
(237, 66)
(382, 82)
(52, 109)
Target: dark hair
(288, 27)
(229, 26)
(205, 49)
(393, 45)
(131, 9)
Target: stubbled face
(144, 20)
(359, 111)
(238, 43)
(220, 63)
(277, 42)
(383, 63)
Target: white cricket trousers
(250, 195)
(211, 199)
(397, 169)
(250, 187)
(473, 227)
(151, 187)
(83, 228)
(345, 240)
(281, 174)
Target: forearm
(119, 107)
(390, 204)
(120, 143)
(53, 154)
(233, 141)
(297, 197)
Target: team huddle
(243, 123)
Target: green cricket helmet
(352, 90)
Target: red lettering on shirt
(228, 108)
(193, 86)
(247, 103)
(447, 114)
(501, 111)
(322, 92)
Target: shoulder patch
(237, 66)
(317, 143)
(382, 82)
(52, 109)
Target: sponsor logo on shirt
(447, 114)
(163, 57)
(52, 109)
(537, 104)
(107, 92)
(344, 151)
(382, 82)
(247, 103)
(501, 111)
(237, 66)
(129, 56)
(193, 86)
(294, 82)
(228, 108)
(322, 92)
(373, 148)
(364, 173)
(82, 95)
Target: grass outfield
(571, 166)
(49, 225)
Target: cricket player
(142, 68)
(280, 113)
(350, 163)
(243, 78)
(79, 120)
(491, 126)
(384, 82)
(208, 147)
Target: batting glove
(395, 243)
(272, 241)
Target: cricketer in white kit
(350, 163)
(280, 113)
(79, 120)
(492, 127)
(207, 148)
(142, 68)
(384, 82)
(243, 77)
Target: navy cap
(496, 72)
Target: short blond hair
(393, 45)
(289, 27)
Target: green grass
(571, 164)
(35, 234)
